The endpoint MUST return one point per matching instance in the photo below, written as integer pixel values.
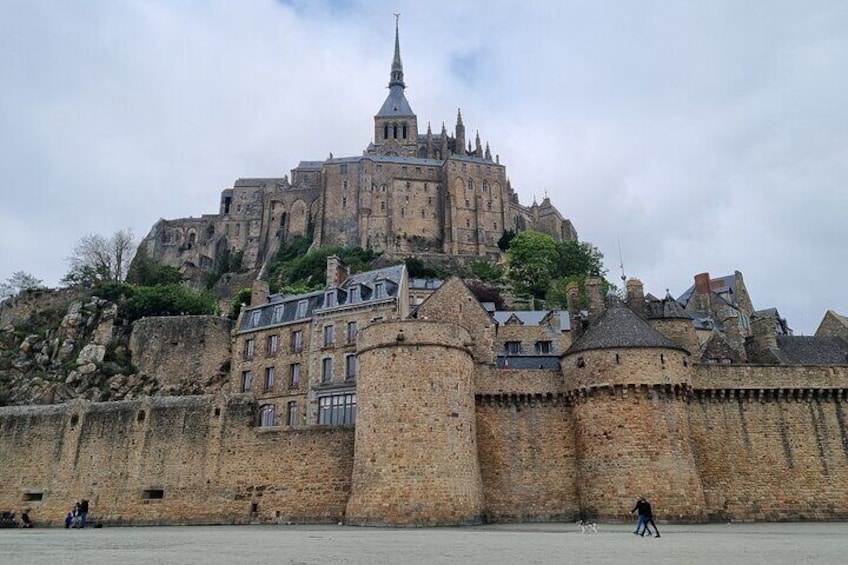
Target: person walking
(83, 512)
(650, 520)
(643, 511)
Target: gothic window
(385, 133)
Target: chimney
(636, 297)
(764, 332)
(259, 292)
(572, 291)
(594, 290)
(702, 283)
(337, 271)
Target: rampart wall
(182, 351)
(183, 460)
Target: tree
(532, 259)
(579, 258)
(18, 282)
(98, 258)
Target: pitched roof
(532, 317)
(811, 350)
(396, 104)
(618, 326)
(666, 308)
(718, 285)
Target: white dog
(587, 527)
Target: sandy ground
(524, 544)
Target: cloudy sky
(704, 136)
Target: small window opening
(217, 411)
(617, 359)
(153, 494)
(254, 507)
(141, 416)
(581, 362)
(74, 420)
(33, 496)
(662, 358)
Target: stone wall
(764, 456)
(184, 460)
(528, 458)
(183, 352)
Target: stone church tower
(409, 194)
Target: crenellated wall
(772, 454)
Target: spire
(397, 66)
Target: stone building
(451, 413)
(412, 192)
(297, 354)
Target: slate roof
(396, 104)
(811, 350)
(532, 317)
(617, 327)
(281, 310)
(666, 308)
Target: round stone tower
(415, 459)
(631, 387)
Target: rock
(91, 353)
(73, 377)
(87, 369)
(65, 350)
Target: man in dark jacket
(646, 516)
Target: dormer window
(301, 308)
(255, 317)
(278, 313)
(379, 290)
(330, 299)
(353, 294)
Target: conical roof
(620, 327)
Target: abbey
(409, 193)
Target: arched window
(386, 131)
(395, 131)
(404, 131)
(267, 415)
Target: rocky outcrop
(77, 346)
